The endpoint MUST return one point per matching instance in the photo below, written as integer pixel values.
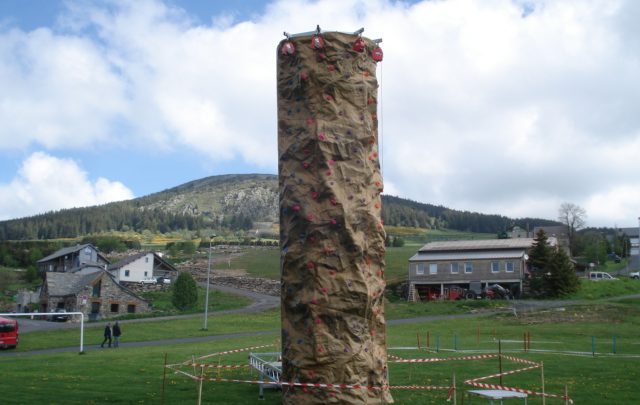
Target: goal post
(14, 314)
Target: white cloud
(57, 90)
(46, 183)
(483, 109)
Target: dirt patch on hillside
(236, 278)
(574, 314)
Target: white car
(148, 280)
(635, 275)
(163, 280)
(600, 275)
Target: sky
(508, 107)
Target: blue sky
(505, 107)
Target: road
(260, 302)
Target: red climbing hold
(317, 42)
(288, 48)
(358, 45)
(377, 54)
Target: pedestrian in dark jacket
(116, 334)
(107, 335)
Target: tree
(552, 273)
(560, 277)
(539, 257)
(185, 292)
(31, 274)
(573, 216)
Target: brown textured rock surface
(332, 239)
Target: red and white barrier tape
(438, 359)
(224, 366)
(518, 360)
(418, 387)
(513, 389)
(246, 349)
(511, 372)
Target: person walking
(107, 335)
(116, 334)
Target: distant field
(423, 236)
(265, 262)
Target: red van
(8, 333)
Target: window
(145, 273)
(96, 289)
(433, 268)
(126, 273)
(131, 309)
(115, 307)
(455, 268)
(146, 259)
(495, 267)
(420, 269)
(468, 267)
(508, 267)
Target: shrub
(185, 292)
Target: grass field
(135, 375)
(265, 262)
(562, 338)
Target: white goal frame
(53, 313)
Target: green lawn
(135, 375)
(604, 289)
(218, 301)
(265, 262)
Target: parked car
(163, 280)
(8, 333)
(600, 275)
(148, 280)
(635, 275)
(614, 257)
(59, 315)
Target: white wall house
(141, 266)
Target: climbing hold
(317, 42)
(288, 48)
(377, 54)
(358, 45)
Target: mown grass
(218, 301)
(258, 262)
(152, 329)
(135, 375)
(592, 290)
(265, 262)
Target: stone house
(71, 258)
(98, 295)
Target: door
(95, 311)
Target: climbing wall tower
(332, 238)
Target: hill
(236, 202)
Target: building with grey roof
(439, 268)
(71, 258)
(98, 295)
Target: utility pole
(206, 297)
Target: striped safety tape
(513, 389)
(438, 359)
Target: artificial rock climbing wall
(332, 238)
